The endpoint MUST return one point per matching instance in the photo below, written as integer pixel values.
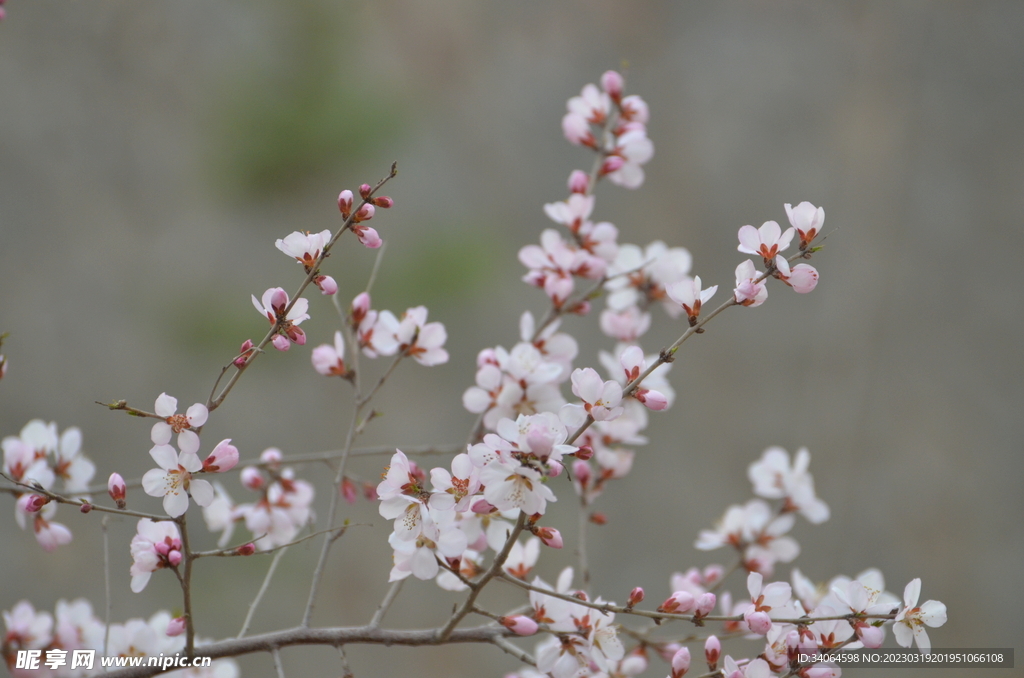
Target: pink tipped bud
(636, 596)
(281, 342)
(483, 507)
(35, 502)
(759, 622)
(611, 164)
(348, 490)
(360, 307)
(297, 335)
(680, 662)
(326, 284)
(368, 237)
(246, 549)
(252, 478)
(712, 651)
(271, 457)
(176, 626)
(712, 573)
(519, 625)
(871, 636)
(652, 400)
(174, 558)
(279, 300)
(365, 190)
(550, 536)
(579, 182)
(384, 202)
(680, 602)
(598, 518)
(85, 508)
(581, 307)
(223, 458)
(117, 489)
(243, 353)
(554, 470)
(369, 491)
(584, 452)
(706, 604)
(611, 82)
(345, 203)
(365, 212)
(668, 650)
(581, 470)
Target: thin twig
(259, 594)
(277, 663)
(385, 604)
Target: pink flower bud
(297, 335)
(483, 507)
(680, 602)
(174, 558)
(176, 626)
(871, 636)
(117, 489)
(384, 202)
(365, 212)
(579, 182)
(360, 307)
(345, 203)
(368, 237)
(680, 662)
(550, 536)
(598, 518)
(759, 622)
(668, 650)
(370, 491)
(252, 478)
(576, 130)
(271, 457)
(803, 278)
(281, 342)
(35, 502)
(243, 353)
(581, 470)
(520, 625)
(611, 82)
(85, 508)
(365, 190)
(223, 458)
(611, 164)
(712, 651)
(636, 596)
(706, 604)
(712, 573)
(326, 284)
(652, 400)
(279, 300)
(246, 549)
(348, 490)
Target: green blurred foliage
(278, 125)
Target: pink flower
(802, 278)
(155, 545)
(330, 360)
(763, 600)
(767, 241)
(774, 478)
(635, 149)
(26, 628)
(416, 337)
(173, 480)
(275, 301)
(912, 618)
(600, 398)
(223, 458)
(304, 247)
(194, 417)
(807, 220)
(512, 486)
(749, 291)
(688, 294)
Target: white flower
(173, 480)
(911, 620)
(194, 417)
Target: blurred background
(151, 153)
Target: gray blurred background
(151, 153)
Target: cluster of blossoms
(283, 508)
(37, 457)
(73, 627)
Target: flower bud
(550, 536)
(482, 507)
(712, 651)
(520, 625)
(680, 662)
(326, 284)
(368, 237)
(384, 202)
(583, 453)
(759, 622)
(176, 626)
(252, 478)
(581, 470)
(345, 203)
(579, 182)
(243, 353)
(117, 489)
(370, 491)
(271, 457)
(223, 458)
(365, 212)
(611, 164)
(598, 518)
(348, 490)
(612, 83)
(35, 502)
(365, 190)
(281, 342)
(246, 549)
(680, 602)
(174, 558)
(706, 604)
(871, 636)
(636, 596)
(652, 400)
(85, 508)
(360, 307)
(668, 650)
